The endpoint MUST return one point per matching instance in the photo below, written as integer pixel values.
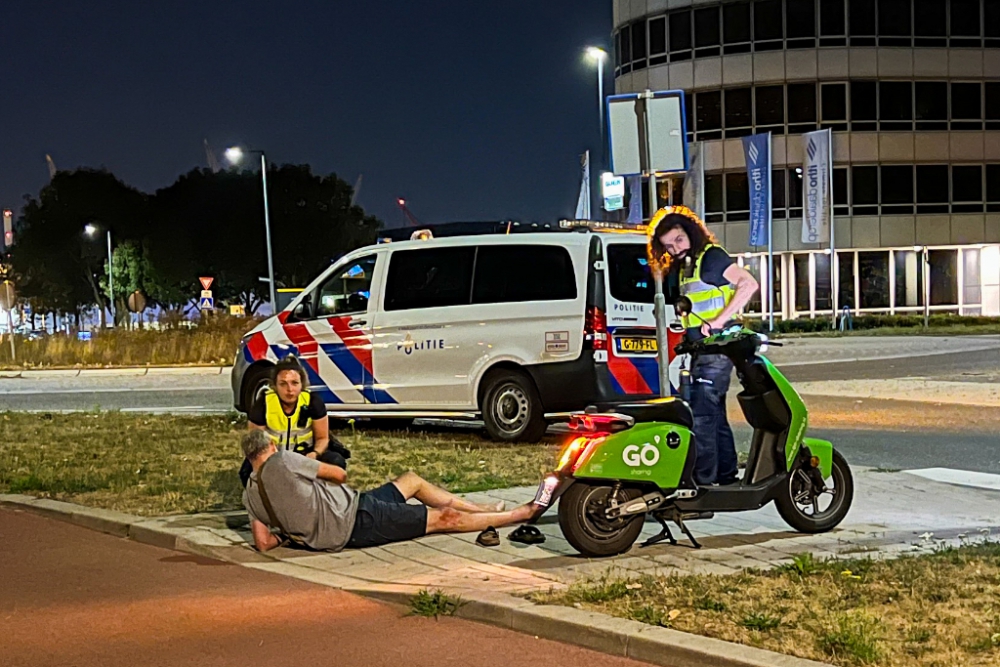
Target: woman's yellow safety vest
(284, 429)
(707, 301)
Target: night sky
(469, 110)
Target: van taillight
(595, 329)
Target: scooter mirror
(682, 305)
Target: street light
(90, 230)
(234, 155)
(599, 55)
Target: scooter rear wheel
(808, 512)
(581, 517)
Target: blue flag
(757, 148)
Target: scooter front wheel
(807, 511)
(585, 526)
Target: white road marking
(979, 480)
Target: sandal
(489, 538)
(527, 535)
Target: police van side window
(347, 290)
(517, 273)
(429, 278)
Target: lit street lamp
(234, 155)
(599, 55)
(91, 231)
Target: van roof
(544, 238)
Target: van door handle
(357, 323)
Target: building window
(714, 206)
(706, 32)
(943, 271)
(897, 189)
(932, 188)
(736, 28)
(657, 41)
(801, 107)
(993, 188)
(778, 193)
(991, 14)
(834, 110)
(864, 106)
(767, 25)
(737, 196)
(864, 190)
(931, 105)
(930, 23)
(626, 49)
(873, 279)
(992, 105)
(823, 282)
(894, 27)
(967, 188)
(862, 13)
(680, 36)
(709, 115)
(801, 265)
(841, 194)
(966, 106)
(800, 26)
(618, 53)
(739, 112)
(770, 108)
(845, 280)
(639, 45)
(689, 107)
(794, 192)
(832, 23)
(965, 22)
(895, 105)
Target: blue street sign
(83, 335)
(206, 303)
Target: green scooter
(639, 460)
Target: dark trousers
(331, 456)
(716, 449)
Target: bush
(213, 341)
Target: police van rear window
(629, 277)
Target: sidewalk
(893, 513)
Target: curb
(114, 372)
(568, 625)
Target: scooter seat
(672, 410)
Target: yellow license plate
(636, 345)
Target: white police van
(514, 329)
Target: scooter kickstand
(684, 529)
(664, 534)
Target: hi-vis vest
(285, 430)
(707, 301)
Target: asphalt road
(72, 596)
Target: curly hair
(669, 218)
(289, 363)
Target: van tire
(512, 409)
(254, 381)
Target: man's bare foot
(499, 506)
(523, 512)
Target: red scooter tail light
(595, 329)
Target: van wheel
(254, 384)
(512, 409)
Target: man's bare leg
(450, 520)
(412, 485)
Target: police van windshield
(629, 277)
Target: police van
(513, 329)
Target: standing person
(294, 418)
(718, 289)
(310, 502)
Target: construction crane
(407, 213)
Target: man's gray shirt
(321, 513)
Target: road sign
(648, 132)
(206, 283)
(206, 302)
(237, 310)
(613, 191)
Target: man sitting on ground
(310, 502)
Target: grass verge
(166, 464)
(933, 610)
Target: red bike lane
(73, 597)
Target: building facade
(911, 91)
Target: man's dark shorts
(384, 516)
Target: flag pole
(834, 286)
(770, 242)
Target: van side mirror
(303, 311)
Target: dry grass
(164, 464)
(934, 610)
(214, 342)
